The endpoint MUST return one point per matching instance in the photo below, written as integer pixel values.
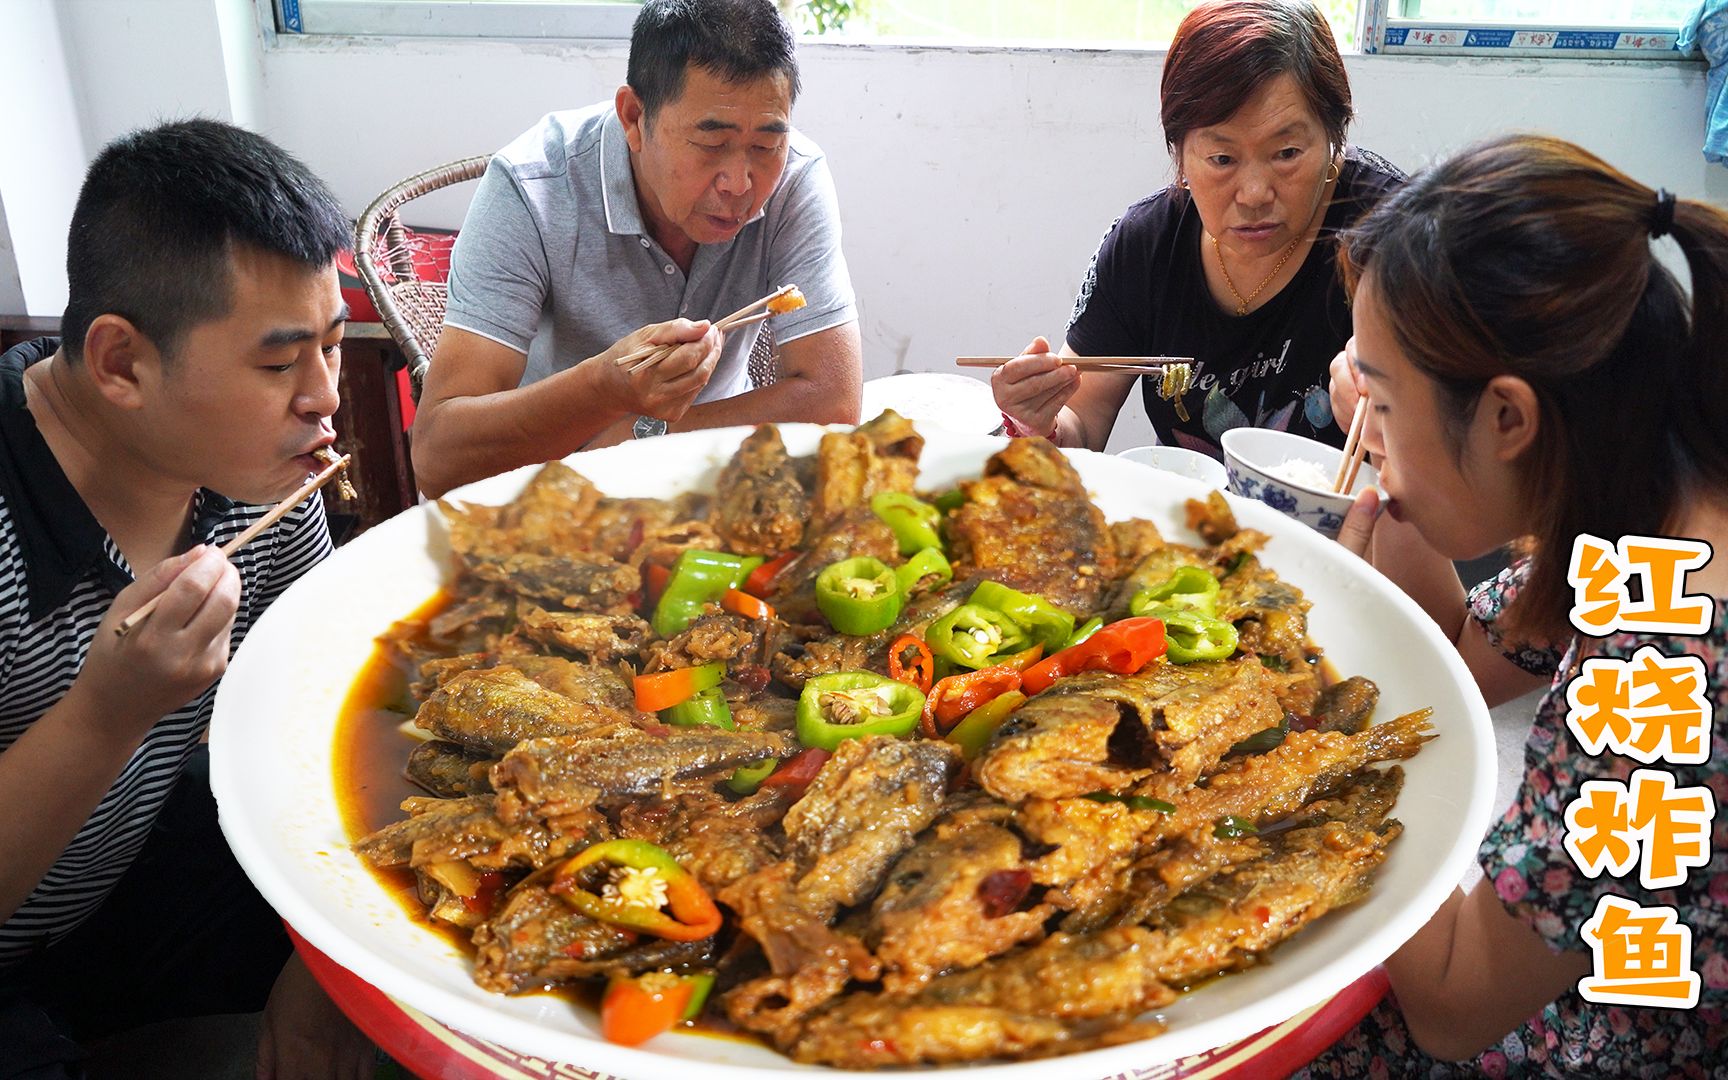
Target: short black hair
(159, 213)
(738, 40)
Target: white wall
(974, 183)
(42, 156)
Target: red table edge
(380, 1018)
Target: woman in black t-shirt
(1234, 264)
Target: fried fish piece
(1103, 732)
(1066, 993)
(1092, 842)
(762, 506)
(578, 582)
(536, 941)
(571, 774)
(1029, 523)
(600, 638)
(492, 710)
(880, 455)
(448, 770)
(466, 829)
(860, 813)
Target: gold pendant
(1241, 309)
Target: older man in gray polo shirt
(641, 221)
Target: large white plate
(272, 748)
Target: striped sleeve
(302, 542)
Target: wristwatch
(646, 427)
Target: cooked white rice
(1304, 472)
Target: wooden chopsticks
(130, 622)
(649, 355)
(1087, 363)
(1351, 460)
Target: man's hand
(1346, 385)
(172, 656)
(304, 1035)
(1033, 387)
(666, 389)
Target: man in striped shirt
(196, 377)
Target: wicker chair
(411, 308)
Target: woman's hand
(1032, 388)
(1346, 386)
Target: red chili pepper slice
(797, 771)
(655, 578)
(664, 689)
(742, 603)
(1002, 890)
(635, 1010)
(954, 697)
(1122, 647)
(909, 661)
(762, 578)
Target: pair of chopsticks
(130, 622)
(649, 355)
(1351, 461)
(1088, 363)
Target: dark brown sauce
(370, 752)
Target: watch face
(647, 427)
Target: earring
(1332, 173)
(1182, 182)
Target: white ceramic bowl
(1250, 455)
(272, 748)
(1181, 461)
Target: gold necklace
(1242, 302)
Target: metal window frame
(1384, 32)
(572, 20)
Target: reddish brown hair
(1226, 50)
(1529, 256)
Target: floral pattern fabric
(1523, 857)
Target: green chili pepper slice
(701, 985)
(747, 778)
(646, 890)
(926, 570)
(923, 572)
(707, 709)
(1087, 629)
(1189, 587)
(949, 501)
(972, 634)
(1234, 828)
(699, 578)
(1043, 622)
(859, 596)
(1262, 741)
(973, 732)
(852, 704)
(1192, 636)
(913, 520)
(1134, 802)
